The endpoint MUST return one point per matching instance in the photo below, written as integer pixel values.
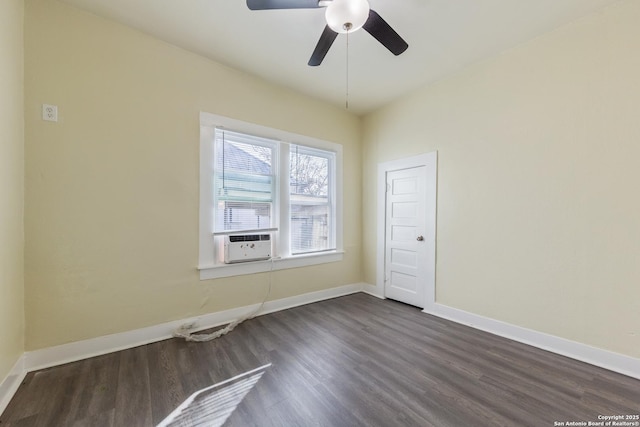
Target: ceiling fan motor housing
(345, 16)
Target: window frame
(209, 266)
(330, 156)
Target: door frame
(430, 161)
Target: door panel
(401, 257)
(403, 234)
(405, 253)
(405, 210)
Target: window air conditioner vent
(249, 237)
(246, 247)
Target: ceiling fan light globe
(341, 13)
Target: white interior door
(406, 248)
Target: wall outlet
(50, 112)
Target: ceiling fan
(342, 16)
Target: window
(310, 206)
(256, 180)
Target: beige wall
(537, 207)
(11, 184)
(112, 188)
(538, 200)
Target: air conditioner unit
(246, 247)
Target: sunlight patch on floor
(212, 405)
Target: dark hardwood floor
(349, 361)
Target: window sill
(227, 270)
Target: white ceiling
(444, 36)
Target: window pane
(243, 182)
(309, 228)
(310, 201)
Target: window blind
(244, 181)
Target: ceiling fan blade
(282, 4)
(381, 31)
(325, 42)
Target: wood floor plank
(100, 419)
(164, 381)
(350, 361)
(133, 398)
(100, 385)
(26, 401)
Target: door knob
(420, 238)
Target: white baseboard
(615, 362)
(371, 290)
(298, 300)
(595, 356)
(65, 353)
(58, 355)
(10, 384)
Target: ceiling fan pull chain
(346, 101)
